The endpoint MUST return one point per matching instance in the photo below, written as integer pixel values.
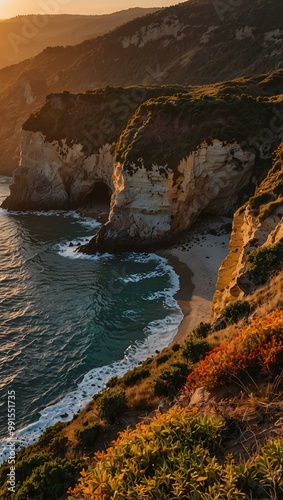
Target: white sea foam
(159, 334)
(135, 278)
(69, 249)
(89, 223)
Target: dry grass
(253, 412)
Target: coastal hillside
(194, 43)
(164, 155)
(23, 37)
(204, 416)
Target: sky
(11, 8)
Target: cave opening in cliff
(99, 197)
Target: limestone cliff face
(53, 175)
(150, 205)
(177, 158)
(233, 283)
(257, 224)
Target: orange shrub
(257, 346)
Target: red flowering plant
(257, 346)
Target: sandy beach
(196, 259)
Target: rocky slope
(23, 37)
(178, 156)
(196, 42)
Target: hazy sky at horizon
(11, 8)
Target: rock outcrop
(53, 175)
(177, 157)
(68, 146)
(150, 207)
(166, 174)
(257, 224)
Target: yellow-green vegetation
(264, 261)
(269, 195)
(42, 470)
(92, 118)
(236, 311)
(179, 455)
(184, 121)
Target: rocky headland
(172, 155)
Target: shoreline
(197, 259)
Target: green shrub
(236, 311)
(51, 433)
(112, 382)
(58, 446)
(278, 187)
(202, 330)
(269, 209)
(169, 381)
(25, 466)
(263, 261)
(148, 362)
(111, 404)
(194, 348)
(265, 477)
(162, 359)
(51, 480)
(176, 347)
(160, 387)
(134, 376)
(88, 435)
(260, 199)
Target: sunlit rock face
(55, 175)
(248, 233)
(165, 162)
(156, 204)
(258, 224)
(148, 206)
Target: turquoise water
(69, 322)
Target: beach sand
(196, 259)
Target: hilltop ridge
(23, 37)
(188, 44)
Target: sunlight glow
(11, 8)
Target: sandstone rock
(249, 232)
(55, 176)
(151, 206)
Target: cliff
(194, 43)
(68, 146)
(166, 160)
(176, 157)
(257, 233)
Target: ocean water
(70, 322)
